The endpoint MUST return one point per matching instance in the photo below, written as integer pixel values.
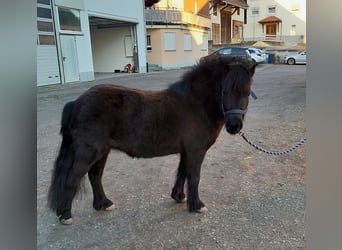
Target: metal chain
(287, 151)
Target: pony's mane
(212, 71)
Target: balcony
(165, 17)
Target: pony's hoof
(184, 200)
(65, 221)
(203, 210)
(110, 208)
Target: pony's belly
(147, 150)
(143, 153)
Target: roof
(270, 19)
(238, 3)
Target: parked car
(297, 58)
(229, 51)
(258, 56)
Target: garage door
(47, 65)
(47, 60)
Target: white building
(276, 20)
(79, 38)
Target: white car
(258, 56)
(297, 58)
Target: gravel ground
(255, 200)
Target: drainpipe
(55, 24)
(133, 32)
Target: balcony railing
(279, 38)
(175, 17)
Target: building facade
(227, 21)
(78, 38)
(276, 20)
(177, 33)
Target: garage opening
(114, 46)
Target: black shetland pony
(186, 118)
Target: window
(255, 11)
(169, 41)
(295, 7)
(46, 35)
(204, 45)
(293, 30)
(69, 19)
(238, 51)
(271, 10)
(237, 30)
(45, 28)
(148, 43)
(46, 2)
(128, 46)
(226, 51)
(44, 13)
(187, 42)
(216, 33)
(46, 40)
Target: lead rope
(287, 151)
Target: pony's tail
(63, 162)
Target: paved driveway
(255, 201)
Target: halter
(232, 112)
(226, 113)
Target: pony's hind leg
(84, 158)
(178, 189)
(95, 178)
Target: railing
(175, 17)
(284, 38)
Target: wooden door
(271, 31)
(225, 27)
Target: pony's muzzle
(234, 124)
(233, 119)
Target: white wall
(84, 55)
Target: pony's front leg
(193, 166)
